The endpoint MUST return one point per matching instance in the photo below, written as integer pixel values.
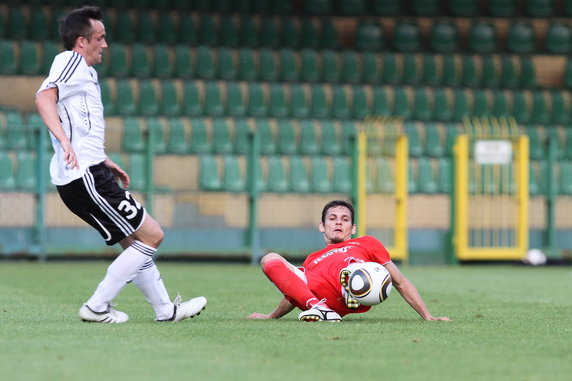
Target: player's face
(94, 47)
(338, 226)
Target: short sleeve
(65, 74)
(376, 251)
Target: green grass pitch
(509, 323)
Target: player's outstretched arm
(283, 308)
(409, 292)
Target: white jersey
(81, 113)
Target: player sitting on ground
(315, 287)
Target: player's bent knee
(270, 257)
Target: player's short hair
(77, 24)
(335, 203)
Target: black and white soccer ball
(368, 283)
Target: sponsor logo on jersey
(332, 252)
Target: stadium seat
(427, 182)
(8, 63)
(342, 175)
(286, 138)
(502, 8)
(422, 108)
(213, 100)
(309, 35)
(26, 173)
(141, 60)
(249, 35)
(372, 71)
(406, 36)
(17, 137)
(536, 145)
(222, 143)
(7, 174)
(412, 177)
(167, 28)
(381, 106)
(132, 139)
(49, 50)
(229, 35)
(451, 133)
(184, 66)
(233, 180)
(369, 36)
(442, 105)
(29, 58)
(278, 107)
(521, 39)
(384, 179)
(119, 65)
(491, 71)
(124, 29)
(35, 123)
(267, 139)
(148, 100)
(426, 7)
(192, 104)
(227, 67)
(241, 136)
(320, 179)
(289, 36)
(200, 142)
(464, 8)
(431, 74)
(461, 105)
(527, 73)
(352, 7)
(298, 175)
(137, 171)
(444, 37)
(235, 103)
(411, 70)
(471, 75)
(310, 67)
(540, 8)
(391, 73)
(540, 112)
(299, 103)
(269, 36)
(146, 29)
(330, 143)
(331, 66)
(208, 32)
(188, 31)
(451, 72)
(544, 171)
(414, 139)
(247, 69)
(482, 37)
(444, 182)
(480, 104)
(351, 68)
(18, 25)
(510, 78)
(169, 103)
(209, 175)
(318, 7)
(521, 107)
(320, 106)
(340, 106)
(39, 24)
(177, 141)
(434, 143)
(277, 180)
(401, 103)
(159, 143)
(561, 107)
(163, 64)
(308, 138)
(360, 104)
(501, 104)
(269, 68)
(257, 104)
(387, 7)
(559, 38)
(288, 66)
(206, 68)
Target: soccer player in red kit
(315, 287)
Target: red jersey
(323, 267)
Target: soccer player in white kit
(69, 102)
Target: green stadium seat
(8, 63)
(510, 77)
(229, 35)
(471, 75)
(351, 69)
(491, 72)
(560, 107)
(482, 37)
(38, 24)
(434, 142)
(7, 174)
(286, 138)
(49, 50)
(464, 8)
(257, 105)
(559, 38)
(277, 180)
(137, 171)
(527, 73)
(384, 179)
(331, 66)
(481, 106)
(352, 7)
(310, 67)
(372, 71)
(391, 73)
(18, 25)
(502, 8)
(500, 104)
(444, 37)
(222, 143)
(451, 72)
(425, 7)
(17, 137)
(309, 35)
(369, 36)
(330, 142)
(540, 112)
(233, 180)
(141, 60)
(146, 29)
(29, 58)
(269, 36)
(119, 64)
(267, 140)
(269, 68)
(451, 133)
(241, 136)
(289, 33)
(227, 67)
(544, 171)
(342, 175)
(308, 138)
(288, 66)
(248, 34)
(132, 139)
(26, 173)
(169, 104)
(406, 36)
(320, 179)
(534, 188)
(124, 29)
(320, 106)
(278, 104)
(188, 31)
(444, 182)
(521, 39)
(107, 97)
(427, 182)
(299, 103)
(520, 107)
(148, 103)
(360, 105)
(318, 7)
(209, 175)
(401, 103)
(200, 141)
(163, 65)
(387, 7)
(414, 139)
(235, 100)
(535, 143)
(184, 66)
(177, 141)
(213, 100)
(340, 106)
(329, 35)
(298, 175)
(159, 143)
(461, 105)
(192, 104)
(411, 69)
(422, 108)
(206, 68)
(247, 69)
(442, 105)
(349, 132)
(412, 178)
(381, 106)
(208, 31)
(540, 8)
(35, 123)
(431, 74)
(167, 28)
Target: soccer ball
(368, 283)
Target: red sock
(293, 288)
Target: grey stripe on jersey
(70, 68)
(89, 183)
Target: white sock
(121, 271)
(149, 281)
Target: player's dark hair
(335, 203)
(77, 24)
